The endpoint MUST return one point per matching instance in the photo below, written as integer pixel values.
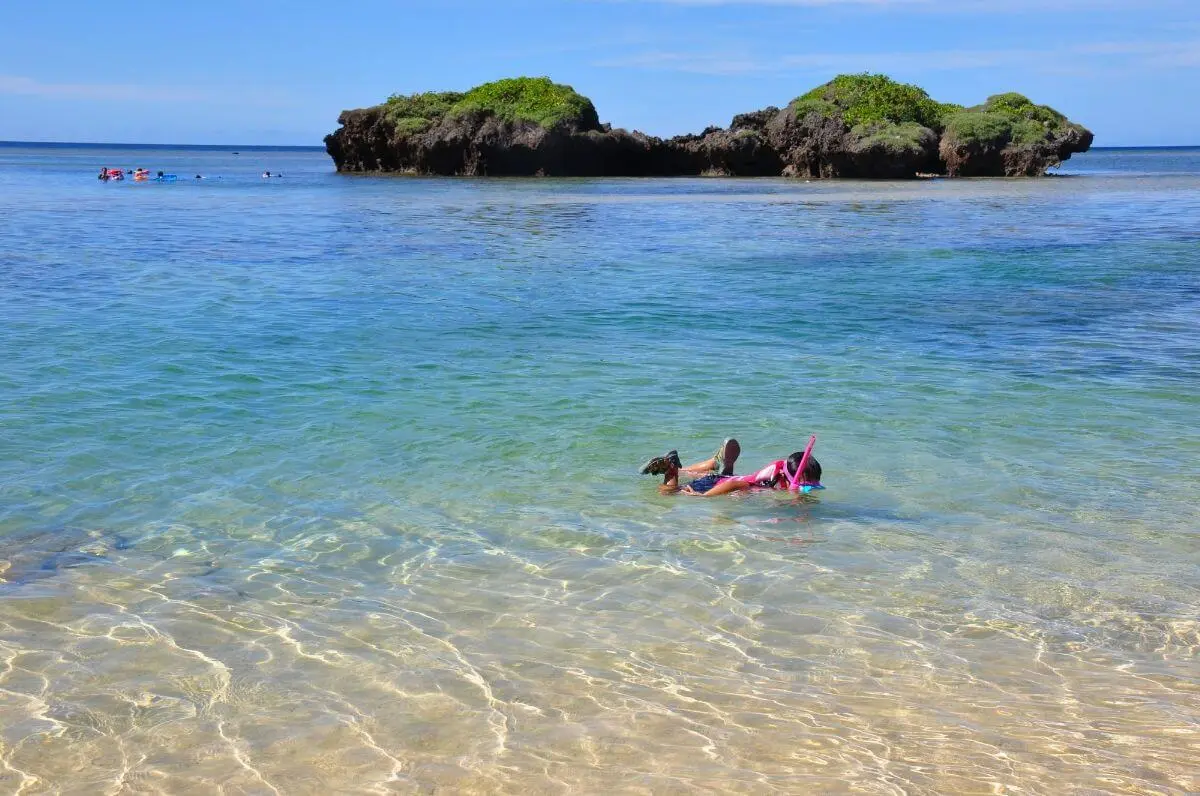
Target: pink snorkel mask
(794, 479)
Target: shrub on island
(531, 99)
(534, 100)
(866, 99)
(416, 113)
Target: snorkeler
(800, 471)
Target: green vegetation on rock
(416, 113)
(986, 128)
(1018, 106)
(896, 138)
(866, 98)
(1005, 119)
(1029, 132)
(805, 105)
(517, 99)
(531, 99)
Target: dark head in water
(812, 468)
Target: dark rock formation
(864, 126)
(366, 141)
(728, 153)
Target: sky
(280, 71)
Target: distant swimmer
(266, 175)
(800, 471)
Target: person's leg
(706, 466)
(722, 461)
(728, 456)
(670, 482)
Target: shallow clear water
(328, 483)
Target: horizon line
(321, 147)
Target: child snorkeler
(799, 471)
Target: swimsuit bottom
(702, 485)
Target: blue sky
(279, 71)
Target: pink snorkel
(795, 478)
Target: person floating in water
(800, 471)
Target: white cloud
(1085, 57)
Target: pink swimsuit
(764, 478)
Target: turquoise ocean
(328, 484)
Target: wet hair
(812, 468)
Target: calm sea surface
(329, 484)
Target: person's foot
(726, 456)
(662, 464)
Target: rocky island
(866, 126)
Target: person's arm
(724, 488)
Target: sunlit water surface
(328, 484)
